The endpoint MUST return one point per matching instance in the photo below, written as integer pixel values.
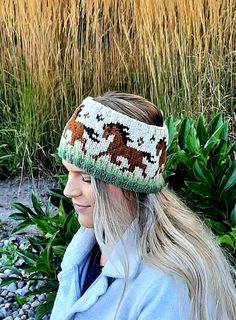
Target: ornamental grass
(180, 54)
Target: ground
(19, 190)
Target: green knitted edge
(108, 172)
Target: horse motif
(161, 147)
(76, 128)
(118, 148)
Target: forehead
(71, 167)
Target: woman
(140, 253)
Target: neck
(103, 260)
(105, 255)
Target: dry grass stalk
(178, 53)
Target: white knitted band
(114, 147)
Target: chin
(86, 224)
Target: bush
(10, 152)
(44, 251)
(201, 168)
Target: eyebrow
(78, 171)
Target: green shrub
(45, 250)
(201, 168)
(10, 152)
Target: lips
(81, 207)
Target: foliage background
(178, 53)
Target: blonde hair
(169, 236)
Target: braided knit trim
(115, 148)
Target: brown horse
(118, 147)
(76, 127)
(161, 147)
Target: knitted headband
(115, 148)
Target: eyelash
(88, 180)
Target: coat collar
(77, 253)
(124, 255)
(124, 259)
(79, 247)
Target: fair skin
(80, 190)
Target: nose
(72, 189)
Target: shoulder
(159, 295)
(156, 279)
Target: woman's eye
(86, 178)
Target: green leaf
(53, 284)
(49, 247)
(58, 193)
(28, 257)
(184, 158)
(227, 240)
(22, 208)
(228, 179)
(48, 206)
(201, 130)
(62, 213)
(215, 124)
(232, 179)
(62, 178)
(42, 289)
(214, 139)
(172, 125)
(233, 215)
(183, 132)
(233, 234)
(15, 270)
(225, 132)
(46, 307)
(220, 155)
(7, 281)
(45, 225)
(202, 173)
(36, 205)
(191, 141)
(59, 250)
(232, 148)
(70, 221)
(18, 216)
(22, 226)
(43, 263)
(218, 227)
(20, 300)
(200, 188)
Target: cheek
(115, 193)
(120, 196)
(90, 193)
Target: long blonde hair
(169, 236)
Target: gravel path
(9, 308)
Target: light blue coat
(150, 295)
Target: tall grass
(178, 53)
